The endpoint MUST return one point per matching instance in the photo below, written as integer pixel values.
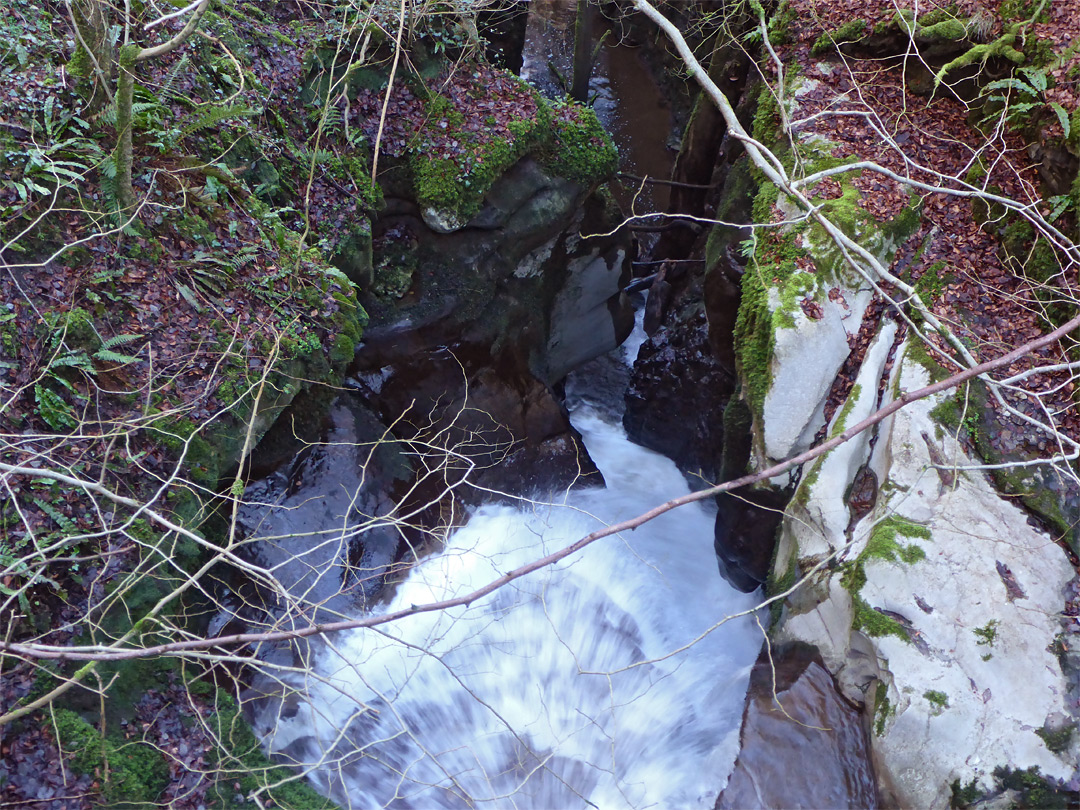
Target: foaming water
(560, 690)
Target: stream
(609, 680)
(572, 686)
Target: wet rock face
(314, 525)
(485, 416)
(677, 395)
(745, 535)
(814, 753)
(487, 318)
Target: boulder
(492, 314)
(803, 744)
(956, 590)
(680, 414)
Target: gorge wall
(929, 561)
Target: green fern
(53, 409)
(170, 79)
(333, 125)
(106, 354)
(214, 115)
(1029, 87)
(66, 524)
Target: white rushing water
(560, 689)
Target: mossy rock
(240, 759)
(137, 772)
(851, 31)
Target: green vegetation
(242, 762)
(780, 24)
(778, 256)
(1021, 98)
(875, 623)
(884, 545)
(883, 708)
(917, 351)
(1057, 741)
(455, 158)
(780, 584)
(851, 31)
(840, 420)
(965, 795)
(1033, 788)
(1024, 10)
(932, 282)
(986, 636)
(581, 149)
(1003, 47)
(137, 771)
(939, 700)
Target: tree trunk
(579, 89)
(125, 92)
(92, 58)
(702, 139)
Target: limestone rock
(805, 362)
(964, 598)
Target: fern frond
(119, 340)
(59, 518)
(74, 359)
(57, 413)
(107, 356)
(211, 116)
(174, 72)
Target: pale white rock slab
(1000, 694)
(806, 359)
(836, 471)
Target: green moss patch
(137, 772)
(1057, 741)
(458, 135)
(243, 762)
(883, 708)
(851, 31)
(938, 700)
(1034, 790)
(883, 545)
(581, 150)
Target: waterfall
(566, 688)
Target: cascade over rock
(310, 520)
